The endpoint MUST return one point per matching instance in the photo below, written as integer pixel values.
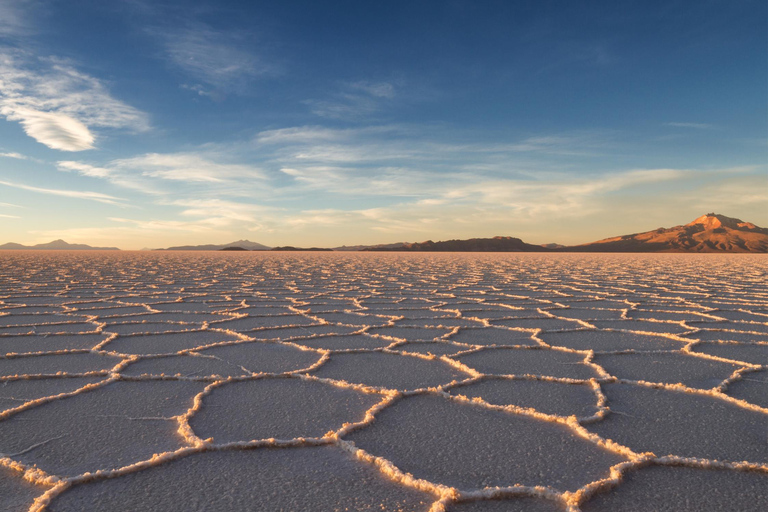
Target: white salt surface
(432, 382)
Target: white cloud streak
(57, 105)
(222, 61)
(357, 100)
(13, 21)
(17, 156)
(148, 173)
(698, 126)
(76, 194)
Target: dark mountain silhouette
(56, 245)
(243, 244)
(495, 244)
(291, 248)
(369, 247)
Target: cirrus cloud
(57, 105)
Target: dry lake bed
(134, 381)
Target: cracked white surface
(433, 382)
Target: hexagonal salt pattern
(356, 381)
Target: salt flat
(365, 381)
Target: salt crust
(643, 307)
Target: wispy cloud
(13, 19)
(189, 174)
(584, 144)
(698, 126)
(356, 101)
(189, 167)
(565, 193)
(17, 156)
(219, 61)
(57, 105)
(401, 161)
(77, 194)
(223, 209)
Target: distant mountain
(369, 247)
(243, 244)
(56, 245)
(291, 248)
(495, 244)
(709, 233)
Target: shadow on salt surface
(669, 422)
(669, 368)
(260, 480)
(438, 322)
(502, 313)
(150, 328)
(436, 348)
(185, 318)
(49, 343)
(561, 399)
(355, 341)
(468, 446)
(282, 408)
(250, 323)
(353, 319)
(609, 341)
(761, 328)
(418, 314)
(641, 326)
(228, 361)
(15, 492)
(191, 307)
(533, 361)
(546, 324)
(265, 357)
(682, 489)
(31, 310)
(65, 328)
(755, 354)
(741, 316)
(587, 314)
(27, 320)
(285, 333)
(188, 365)
(521, 504)
(411, 333)
(390, 371)
(677, 316)
(55, 363)
(110, 312)
(105, 428)
(262, 310)
(14, 393)
(169, 343)
(492, 336)
(742, 337)
(753, 387)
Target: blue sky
(147, 124)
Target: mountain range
(710, 233)
(242, 244)
(495, 244)
(56, 245)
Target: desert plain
(365, 381)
